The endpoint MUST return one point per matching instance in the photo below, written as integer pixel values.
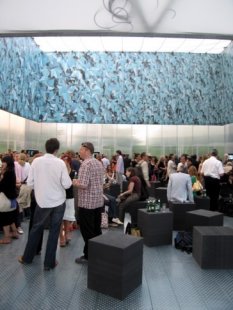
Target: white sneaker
(117, 221)
(20, 231)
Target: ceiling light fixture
(130, 44)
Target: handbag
(5, 203)
(104, 220)
(197, 186)
(135, 231)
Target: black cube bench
(133, 210)
(161, 194)
(213, 246)
(113, 190)
(115, 264)
(179, 213)
(203, 218)
(202, 202)
(153, 186)
(155, 227)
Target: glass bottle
(148, 207)
(153, 202)
(158, 205)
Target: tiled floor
(171, 280)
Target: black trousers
(90, 225)
(33, 208)
(212, 186)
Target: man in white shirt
(171, 166)
(179, 187)
(212, 169)
(25, 166)
(183, 162)
(49, 177)
(119, 168)
(105, 161)
(143, 163)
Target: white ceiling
(189, 18)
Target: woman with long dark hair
(132, 194)
(8, 187)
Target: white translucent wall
(18, 133)
(12, 131)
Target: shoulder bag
(197, 186)
(5, 203)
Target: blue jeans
(39, 220)
(112, 204)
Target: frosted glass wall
(228, 138)
(18, 133)
(12, 131)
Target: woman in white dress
(69, 215)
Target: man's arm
(83, 177)
(190, 190)
(65, 178)
(169, 187)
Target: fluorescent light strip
(130, 44)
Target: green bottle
(152, 206)
(148, 207)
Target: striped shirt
(91, 174)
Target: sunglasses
(86, 146)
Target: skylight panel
(130, 44)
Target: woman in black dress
(8, 187)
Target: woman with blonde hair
(196, 184)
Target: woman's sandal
(62, 243)
(5, 241)
(14, 235)
(68, 236)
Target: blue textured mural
(115, 88)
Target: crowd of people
(60, 191)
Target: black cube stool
(212, 246)
(115, 264)
(133, 210)
(203, 218)
(202, 202)
(179, 213)
(156, 227)
(114, 190)
(161, 194)
(154, 185)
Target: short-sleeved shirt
(137, 184)
(49, 177)
(212, 167)
(91, 174)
